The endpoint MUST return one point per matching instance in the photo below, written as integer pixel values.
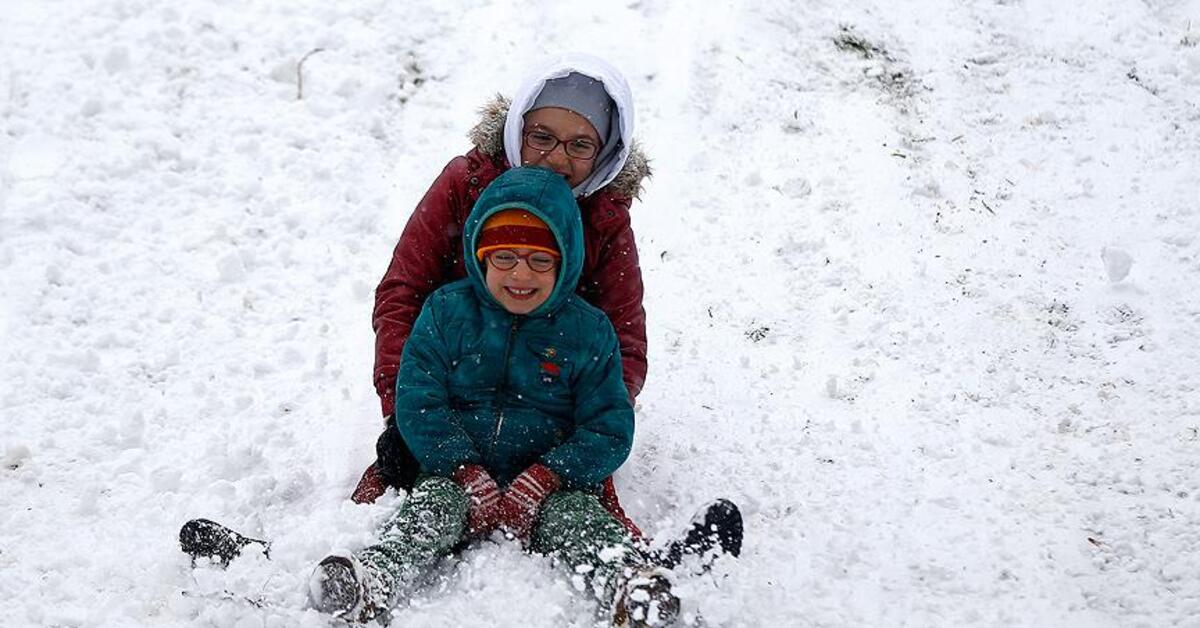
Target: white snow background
(921, 285)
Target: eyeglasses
(578, 148)
(538, 261)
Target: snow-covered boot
(645, 601)
(340, 587)
(202, 538)
(715, 530)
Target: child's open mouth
(520, 294)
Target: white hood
(614, 83)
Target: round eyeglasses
(537, 261)
(578, 148)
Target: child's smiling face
(520, 289)
(565, 126)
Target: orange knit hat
(514, 228)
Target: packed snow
(921, 287)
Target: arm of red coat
(421, 263)
(615, 286)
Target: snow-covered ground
(886, 253)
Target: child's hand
(484, 514)
(524, 498)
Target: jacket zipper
(499, 401)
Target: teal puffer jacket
(480, 385)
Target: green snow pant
(576, 529)
(572, 526)
(426, 527)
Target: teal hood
(544, 194)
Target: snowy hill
(920, 286)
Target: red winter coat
(429, 255)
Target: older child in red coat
(573, 116)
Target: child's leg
(429, 524)
(577, 529)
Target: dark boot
(715, 530)
(202, 538)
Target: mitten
(483, 515)
(524, 498)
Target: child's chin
(522, 307)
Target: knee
(566, 517)
(571, 505)
(440, 496)
(434, 484)
(575, 522)
(434, 487)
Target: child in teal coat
(510, 396)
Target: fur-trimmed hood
(488, 136)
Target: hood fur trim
(488, 136)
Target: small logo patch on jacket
(550, 372)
